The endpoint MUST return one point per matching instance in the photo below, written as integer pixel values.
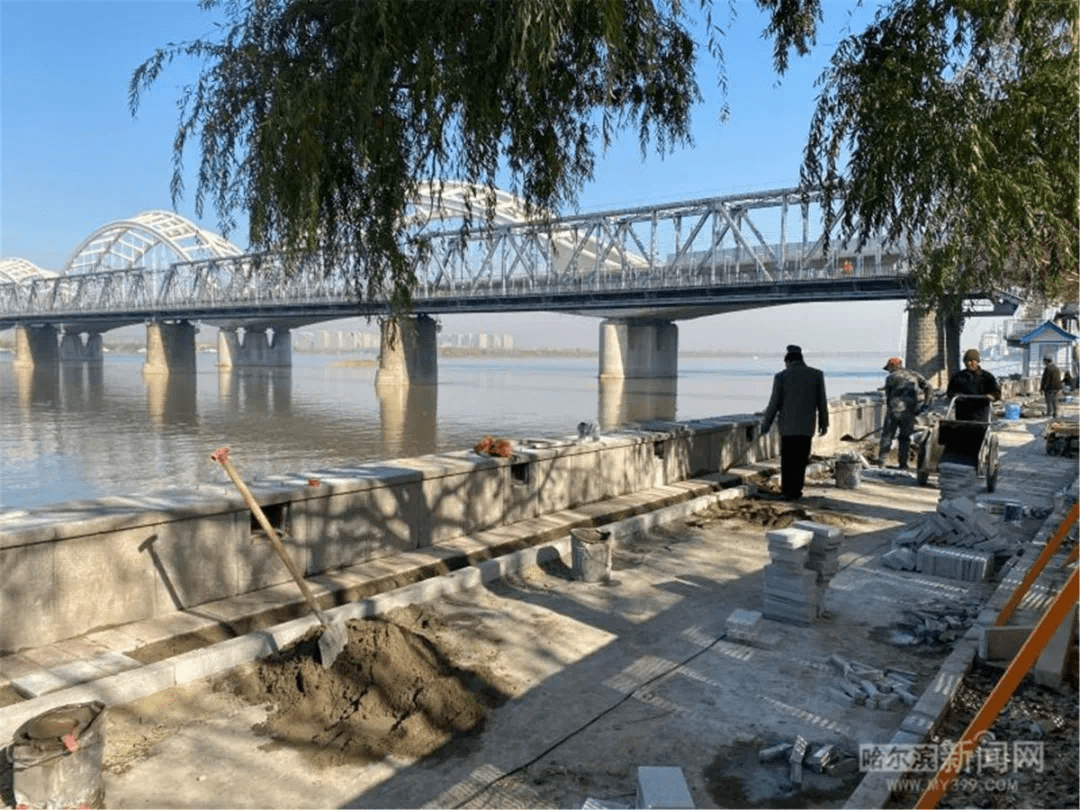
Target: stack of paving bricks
(957, 480)
(954, 563)
(791, 591)
(959, 540)
(824, 556)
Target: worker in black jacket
(974, 379)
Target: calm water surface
(86, 432)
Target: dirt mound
(390, 692)
(759, 513)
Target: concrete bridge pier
(933, 344)
(36, 346)
(255, 350)
(73, 349)
(638, 349)
(170, 347)
(408, 352)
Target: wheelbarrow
(963, 436)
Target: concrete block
(195, 561)
(42, 682)
(219, 657)
(662, 787)
(790, 538)
(105, 579)
(1001, 643)
(352, 527)
(27, 590)
(918, 723)
(1050, 668)
(463, 504)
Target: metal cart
(960, 439)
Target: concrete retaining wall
(71, 568)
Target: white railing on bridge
(719, 242)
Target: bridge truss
(677, 260)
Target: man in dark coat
(798, 396)
(973, 379)
(1050, 385)
(907, 394)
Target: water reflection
(626, 401)
(407, 418)
(255, 390)
(37, 386)
(170, 399)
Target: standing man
(798, 395)
(907, 394)
(1050, 385)
(974, 379)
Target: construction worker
(907, 394)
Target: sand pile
(390, 692)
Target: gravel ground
(1040, 720)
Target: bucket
(590, 554)
(848, 473)
(56, 758)
(1012, 411)
(1013, 512)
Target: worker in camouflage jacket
(907, 394)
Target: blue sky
(74, 159)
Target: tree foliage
(953, 126)
(323, 118)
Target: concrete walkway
(600, 678)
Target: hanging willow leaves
(323, 118)
(953, 127)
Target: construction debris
(935, 622)
(872, 687)
(826, 759)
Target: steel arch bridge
(671, 261)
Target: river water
(89, 431)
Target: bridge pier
(925, 345)
(73, 349)
(36, 346)
(170, 347)
(408, 352)
(638, 349)
(933, 344)
(254, 350)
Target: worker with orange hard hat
(907, 394)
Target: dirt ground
(538, 690)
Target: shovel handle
(222, 457)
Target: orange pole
(1033, 573)
(999, 696)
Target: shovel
(334, 636)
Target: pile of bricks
(935, 621)
(824, 555)
(958, 523)
(826, 759)
(791, 592)
(955, 563)
(957, 480)
(873, 687)
(805, 558)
